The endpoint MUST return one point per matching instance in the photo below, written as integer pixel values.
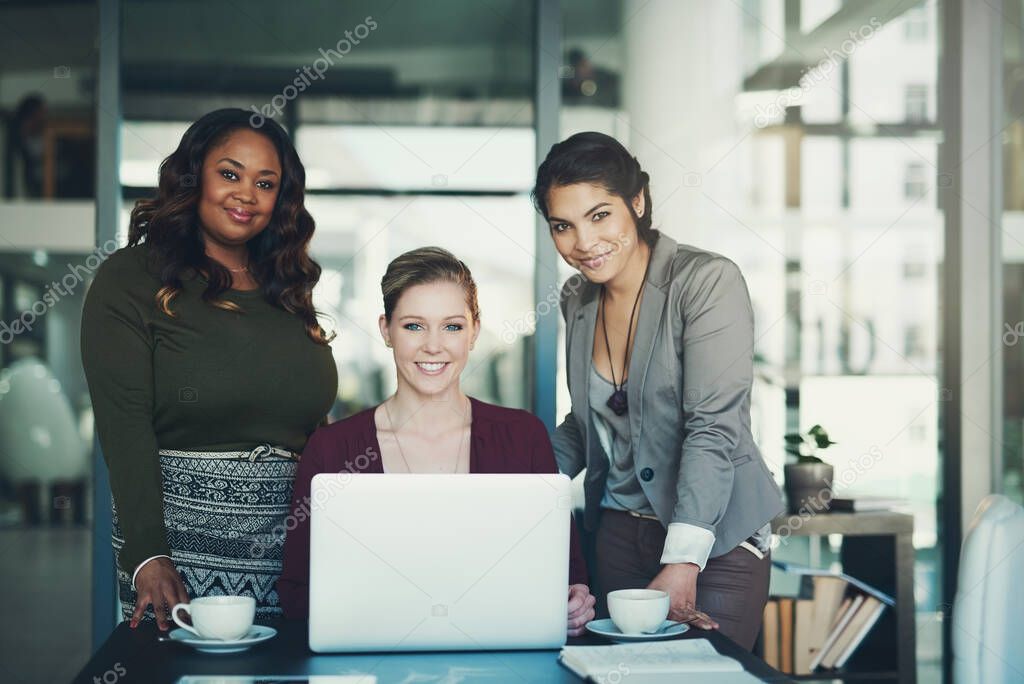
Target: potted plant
(809, 479)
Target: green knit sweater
(207, 379)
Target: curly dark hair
(278, 257)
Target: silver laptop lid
(403, 562)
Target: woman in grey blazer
(659, 352)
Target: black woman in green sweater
(207, 368)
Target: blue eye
(454, 325)
(412, 326)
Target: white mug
(218, 617)
(635, 611)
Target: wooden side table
(877, 549)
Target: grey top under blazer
(689, 397)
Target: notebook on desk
(654, 663)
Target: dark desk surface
(136, 656)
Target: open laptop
(403, 562)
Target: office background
(860, 161)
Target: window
(913, 342)
(915, 24)
(916, 101)
(915, 183)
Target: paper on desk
(650, 658)
(743, 677)
(263, 679)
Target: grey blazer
(689, 397)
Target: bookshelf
(878, 549)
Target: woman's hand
(158, 583)
(581, 608)
(679, 580)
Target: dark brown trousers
(732, 588)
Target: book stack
(822, 626)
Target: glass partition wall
(48, 69)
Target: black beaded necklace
(619, 400)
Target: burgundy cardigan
(502, 440)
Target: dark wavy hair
(278, 257)
(601, 160)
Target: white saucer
(607, 628)
(257, 635)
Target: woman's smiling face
(431, 332)
(593, 230)
(239, 184)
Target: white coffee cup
(635, 611)
(218, 617)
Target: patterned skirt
(224, 513)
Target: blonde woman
(431, 321)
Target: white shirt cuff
(143, 563)
(685, 543)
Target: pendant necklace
(618, 401)
(401, 451)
